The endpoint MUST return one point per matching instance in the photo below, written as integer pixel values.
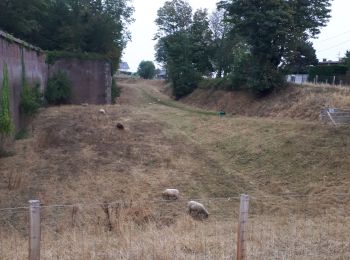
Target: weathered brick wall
(91, 79)
(36, 70)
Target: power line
(333, 37)
(334, 46)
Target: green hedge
(327, 71)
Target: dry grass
(76, 155)
(298, 102)
(90, 234)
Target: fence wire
(299, 228)
(279, 227)
(131, 230)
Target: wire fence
(278, 227)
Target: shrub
(6, 126)
(31, 100)
(58, 89)
(115, 91)
(22, 134)
(217, 83)
(146, 69)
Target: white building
(297, 78)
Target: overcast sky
(333, 41)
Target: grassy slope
(76, 154)
(298, 102)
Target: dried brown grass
(297, 101)
(77, 156)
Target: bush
(115, 91)
(58, 89)
(6, 126)
(217, 83)
(146, 70)
(31, 100)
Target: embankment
(298, 102)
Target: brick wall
(91, 79)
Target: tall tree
(74, 25)
(300, 59)
(272, 28)
(23, 18)
(146, 69)
(222, 43)
(175, 46)
(200, 36)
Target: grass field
(74, 155)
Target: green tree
(272, 29)
(70, 25)
(146, 69)
(23, 18)
(222, 43)
(300, 59)
(347, 59)
(176, 48)
(6, 125)
(200, 36)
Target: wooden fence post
(242, 225)
(34, 230)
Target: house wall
(91, 79)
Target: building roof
(124, 66)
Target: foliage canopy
(71, 25)
(146, 69)
(272, 29)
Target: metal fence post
(242, 225)
(34, 230)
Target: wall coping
(11, 38)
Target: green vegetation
(70, 25)
(347, 59)
(146, 69)
(6, 125)
(31, 96)
(218, 83)
(282, 26)
(326, 73)
(58, 89)
(115, 91)
(31, 100)
(183, 45)
(192, 45)
(22, 134)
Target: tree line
(250, 43)
(98, 26)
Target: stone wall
(15, 54)
(91, 79)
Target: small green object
(222, 113)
